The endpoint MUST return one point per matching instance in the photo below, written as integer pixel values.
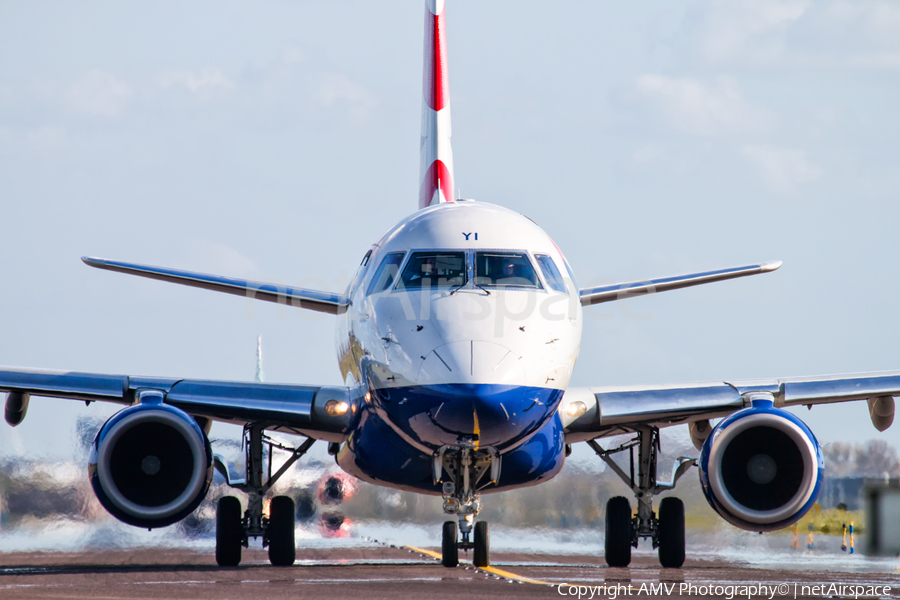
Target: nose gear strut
(466, 466)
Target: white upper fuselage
(488, 335)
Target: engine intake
(761, 468)
(151, 465)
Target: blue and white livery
(456, 340)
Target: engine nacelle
(761, 468)
(151, 465)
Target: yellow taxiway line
(492, 570)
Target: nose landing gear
(466, 466)
(475, 538)
(482, 545)
(450, 544)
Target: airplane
(457, 340)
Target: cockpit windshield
(507, 269)
(434, 269)
(387, 272)
(551, 273)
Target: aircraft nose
(489, 414)
(481, 393)
(469, 390)
(471, 362)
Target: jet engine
(151, 464)
(761, 468)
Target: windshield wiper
(459, 287)
(483, 289)
(486, 292)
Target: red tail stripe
(437, 172)
(437, 94)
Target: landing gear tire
(618, 532)
(280, 531)
(449, 544)
(482, 554)
(671, 533)
(229, 532)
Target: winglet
(92, 262)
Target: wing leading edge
(621, 291)
(613, 410)
(326, 302)
(290, 408)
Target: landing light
(336, 408)
(576, 409)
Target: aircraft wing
(615, 410)
(327, 302)
(289, 408)
(620, 291)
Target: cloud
(853, 34)
(865, 34)
(878, 20)
(748, 28)
(338, 90)
(696, 108)
(783, 170)
(210, 78)
(98, 94)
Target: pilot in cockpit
(512, 273)
(426, 270)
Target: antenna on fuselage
(260, 376)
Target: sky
(278, 140)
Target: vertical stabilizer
(436, 166)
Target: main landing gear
(467, 467)
(234, 530)
(623, 532)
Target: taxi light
(575, 409)
(336, 408)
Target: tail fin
(436, 166)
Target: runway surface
(373, 570)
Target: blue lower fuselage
(400, 429)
